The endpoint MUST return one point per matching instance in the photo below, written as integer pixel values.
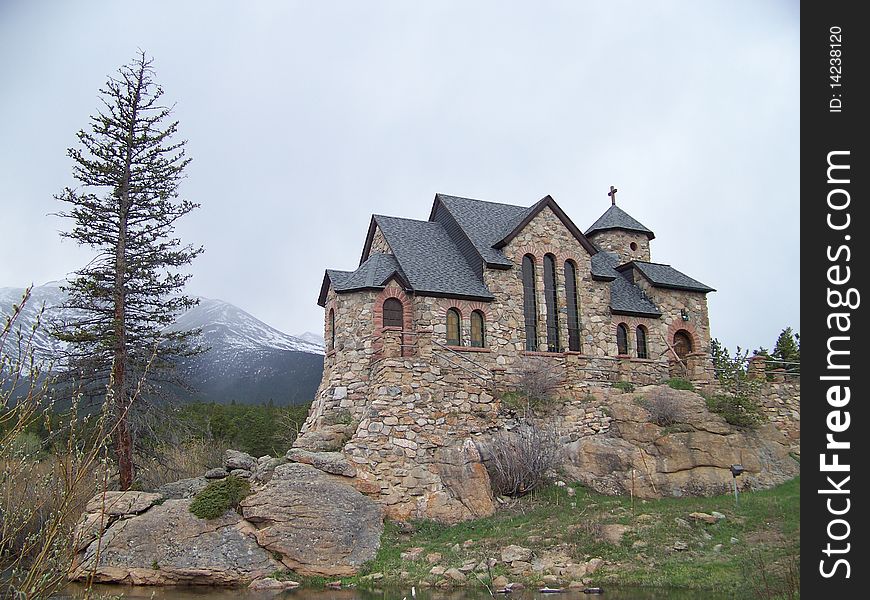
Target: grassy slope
(766, 525)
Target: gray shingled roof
(666, 276)
(603, 265)
(485, 223)
(373, 273)
(616, 218)
(429, 259)
(625, 297)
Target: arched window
(530, 303)
(573, 302)
(393, 313)
(621, 339)
(454, 327)
(552, 305)
(682, 343)
(331, 329)
(641, 342)
(478, 331)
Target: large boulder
(235, 459)
(183, 488)
(119, 504)
(690, 457)
(467, 490)
(315, 522)
(168, 545)
(104, 509)
(327, 438)
(330, 462)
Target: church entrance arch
(682, 343)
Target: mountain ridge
(246, 361)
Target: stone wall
(614, 240)
(413, 447)
(781, 402)
(379, 243)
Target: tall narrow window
(393, 313)
(454, 327)
(478, 332)
(530, 303)
(552, 304)
(331, 329)
(572, 302)
(641, 342)
(622, 339)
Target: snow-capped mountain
(314, 338)
(236, 328)
(40, 306)
(247, 361)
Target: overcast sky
(304, 118)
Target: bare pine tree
(129, 169)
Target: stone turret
(617, 231)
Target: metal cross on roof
(612, 194)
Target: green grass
(766, 525)
(678, 383)
(219, 496)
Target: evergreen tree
(129, 169)
(787, 350)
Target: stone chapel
(494, 283)
(442, 316)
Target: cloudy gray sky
(303, 118)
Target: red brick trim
(538, 251)
(468, 349)
(393, 290)
(679, 325)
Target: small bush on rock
(219, 496)
(535, 387)
(520, 458)
(739, 411)
(625, 386)
(664, 409)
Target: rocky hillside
(247, 360)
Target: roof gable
(482, 223)
(616, 218)
(665, 276)
(547, 202)
(374, 273)
(429, 259)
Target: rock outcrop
(168, 545)
(691, 456)
(316, 523)
(301, 518)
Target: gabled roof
(374, 273)
(429, 259)
(625, 297)
(547, 202)
(665, 276)
(628, 299)
(485, 223)
(616, 218)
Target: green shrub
(219, 496)
(739, 411)
(625, 386)
(681, 384)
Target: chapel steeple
(617, 231)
